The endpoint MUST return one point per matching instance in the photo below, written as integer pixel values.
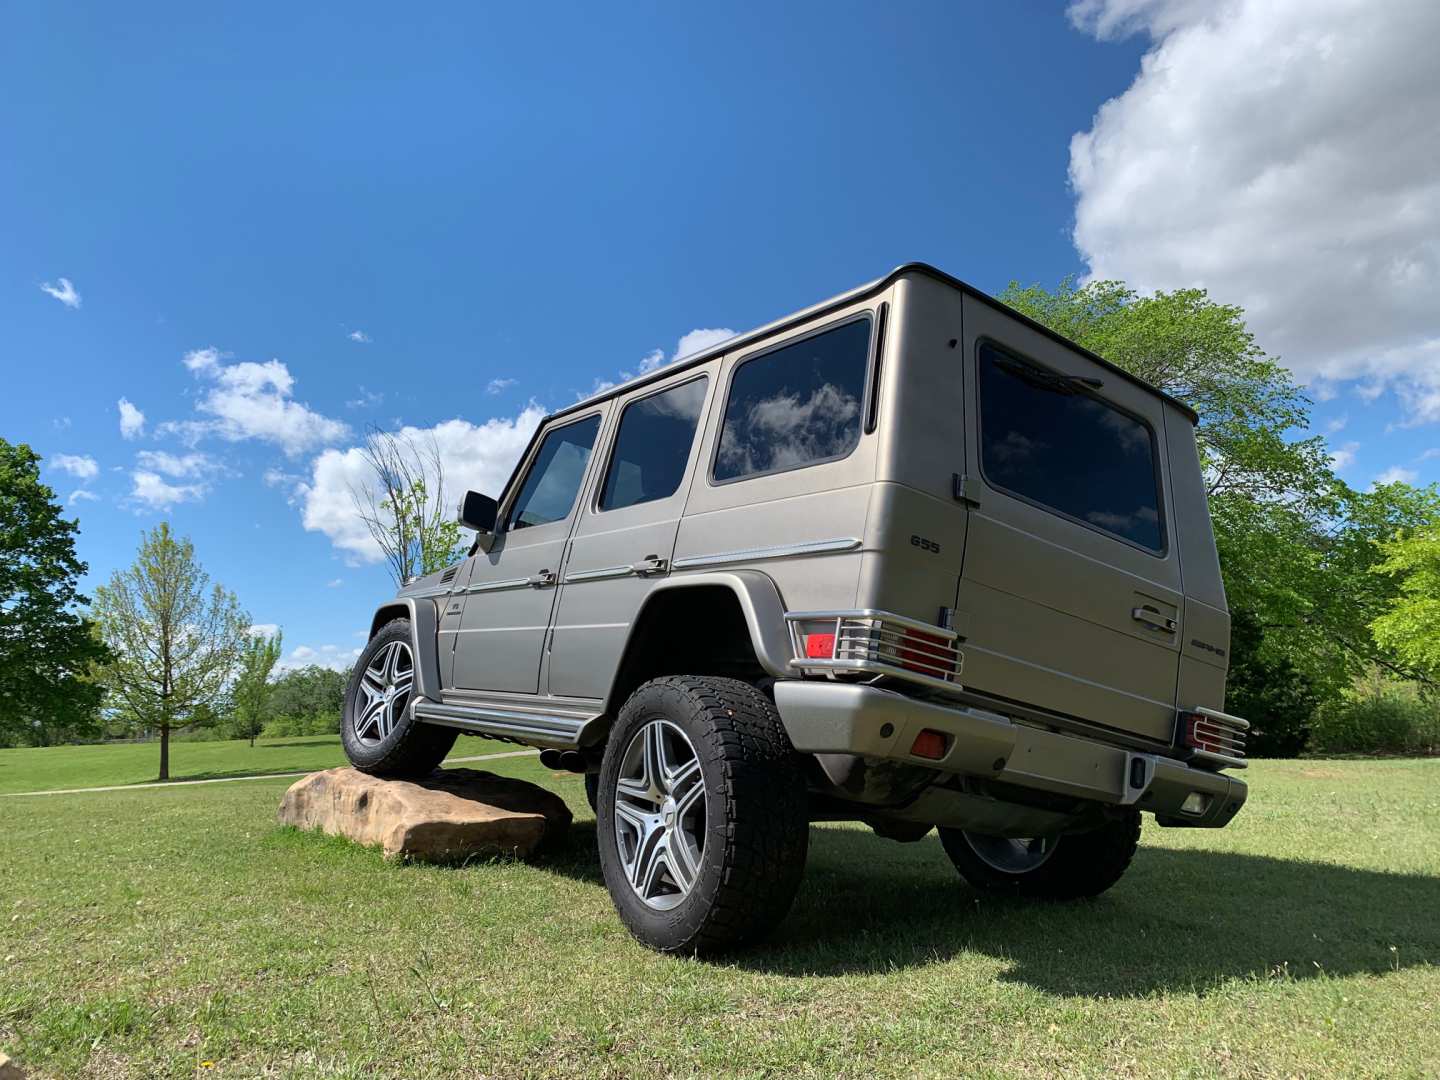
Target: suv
(905, 557)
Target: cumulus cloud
(495, 386)
(700, 340)
(476, 456)
(1344, 457)
(1397, 474)
(82, 495)
(176, 465)
(1283, 154)
(64, 292)
(249, 400)
(264, 629)
(81, 465)
(132, 420)
(152, 491)
(335, 657)
(689, 344)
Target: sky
(231, 241)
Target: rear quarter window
(1052, 442)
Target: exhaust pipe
(572, 761)
(551, 760)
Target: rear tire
(702, 819)
(1073, 867)
(378, 733)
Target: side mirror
(478, 512)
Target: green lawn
(145, 933)
(60, 767)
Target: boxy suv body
(905, 557)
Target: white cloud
(264, 629)
(330, 656)
(1397, 475)
(61, 423)
(177, 465)
(152, 491)
(81, 465)
(359, 336)
(334, 583)
(251, 400)
(479, 457)
(64, 292)
(82, 495)
(368, 399)
(700, 340)
(1336, 425)
(1280, 153)
(689, 344)
(495, 386)
(1344, 457)
(132, 420)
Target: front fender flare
(424, 639)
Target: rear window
(797, 406)
(1050, 441)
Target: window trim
(866, 314)
(614, 443)
(523, 473)
(1157, 461)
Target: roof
(879, 285)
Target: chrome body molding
(600, 574)
(495, 586)
(780, 551)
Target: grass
(149, 933)
(63, 767)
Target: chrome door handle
(651, 565)
(1153, 619)
(543, 580)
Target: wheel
(1047, 868)
(702, 821)
(379, 734)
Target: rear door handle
(1153, 619)
(650, 565)
(543, 580)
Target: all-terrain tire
(756, 825)
(1082, 865)
(408, 747)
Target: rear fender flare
(423, 639)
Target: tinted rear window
(653, 446)
(796, 406)
(1052, 442)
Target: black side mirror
(478, 512)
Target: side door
(500, 639)
(1070, 594)
(625, 537)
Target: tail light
(837, 643)
(1215, 736)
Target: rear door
(1070, 596)
(625, 538)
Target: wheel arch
(423, 638)
(745, 621)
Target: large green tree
(176, 639)
(250, 694)
(311, 695)
(1296, 543)
(1410, 625)
(46, 645)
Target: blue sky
(277, 226)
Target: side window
(796, 406)
(554, 478)
(653, 446)
(1048, 440)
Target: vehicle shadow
(1179, 920)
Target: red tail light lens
(928, 654)
(819, 646)
(929, 744)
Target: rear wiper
(1049, 380)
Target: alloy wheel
(385, 686)
(1012, 856)
(660, 814)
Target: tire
(1073, 867)
(729, 856)
(378, 733)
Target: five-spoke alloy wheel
(378, 732)
(660, 814)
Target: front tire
(701, 818)
(1071, 867)
(379, 734)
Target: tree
(1296, 543)
(309, 697)
(176, 640)
(46, 646)
(250, 695)
(1410, 626)
(403, 504)
(1280, 700)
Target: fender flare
(760, 604)
(424, 638)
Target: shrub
(1268, 692)
(311, 724)
(1379, 717)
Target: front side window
(554, 478)
(796, 406)
(652, 446)
(1046, 438)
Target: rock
(448, 816)
(9, 1070)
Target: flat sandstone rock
(450, 815)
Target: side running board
(540, 728)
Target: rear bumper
(847, 718)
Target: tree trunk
(164, 751)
